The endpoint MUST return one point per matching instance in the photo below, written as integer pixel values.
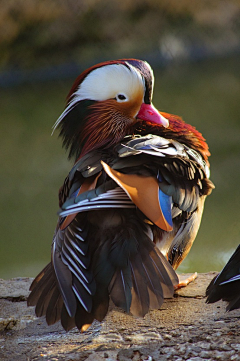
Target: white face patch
(107, 82)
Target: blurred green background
(194, 49)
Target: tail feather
(163, 277)
(143, 277)
(140, 296)
(45, 295)
(234, 304)
(103, 268)
(155, 300)
(100, 303)
(45, 272)
(44, 299)
(226, 285)
(64, 277)
(82, 295)
(39, 283)
(145, 281)
(67, 322)
(53, 313)
(165, 273)
(120, 289)
(83, 319)
(154, 287)
(125, 266)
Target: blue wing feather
(165, 202)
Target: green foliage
(39, 32)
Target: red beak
(149, 113)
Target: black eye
(121, 97)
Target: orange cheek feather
(131, 107)
(109, 121)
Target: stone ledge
(185, 328)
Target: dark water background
(33, 165)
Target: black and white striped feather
(114, 198)
(226, 285)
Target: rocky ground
(185, 328)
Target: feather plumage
(131, 206)
(226, 285)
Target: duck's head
(104, 102)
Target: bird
(131, 205)
(226, 285)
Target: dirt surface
(185, 328)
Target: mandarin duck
(226, 285)
(131, 206)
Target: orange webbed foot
(185, 279)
